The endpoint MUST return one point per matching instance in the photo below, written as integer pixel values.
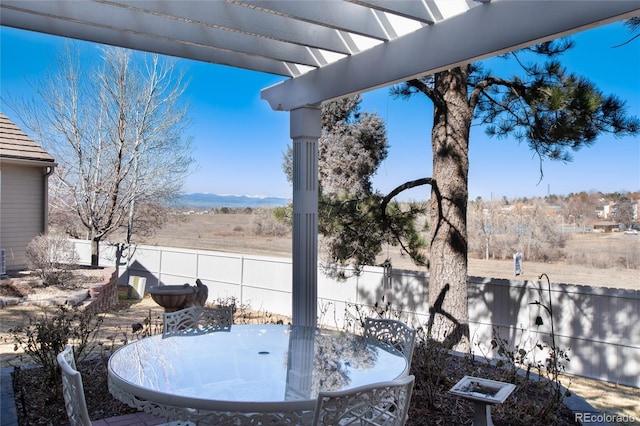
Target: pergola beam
(342, 16)
(498, 27)
(147, 33)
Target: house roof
(16, 145)
(605, 223)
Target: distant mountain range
(210, 201)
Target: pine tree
(547, 107)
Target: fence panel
(598, 325)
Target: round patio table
(253, 374)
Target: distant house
(605, 226)
(24, 171)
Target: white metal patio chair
(72, 389)
(74, 399)
(197, 320)
(393, 332)
(384, 403)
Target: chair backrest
(384, 403)
(181, 323)
(72, 389)
(216, 319)
(196, 320)
(394, 332)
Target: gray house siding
(24, 170)
(21, 211)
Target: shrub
(429, 366)
(521, 358)
(43, 337)
(52, 256)
(514, 364)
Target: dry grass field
(234, 233)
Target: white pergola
(327, 48)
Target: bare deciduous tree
(581, 210)
(531, 228)
(624, 211)
(115, 126)
(484, 223)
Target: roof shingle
(15, 144)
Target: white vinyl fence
(599, 326)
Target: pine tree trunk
(449, 313)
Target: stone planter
(94, 291)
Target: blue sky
(239, 141)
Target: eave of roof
(16, 146)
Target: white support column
(305, 128)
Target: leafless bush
(264, 222)
(43, 337)
(51, 256)
(630, 259)
(623, 255)
(579, 258)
